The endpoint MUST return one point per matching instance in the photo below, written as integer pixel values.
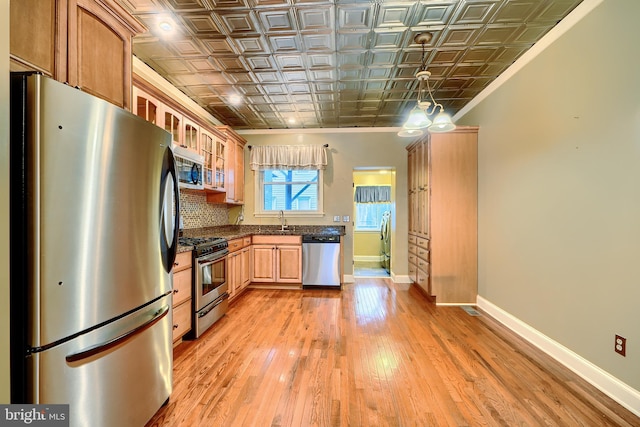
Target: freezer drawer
(321, 261)
(124, 385)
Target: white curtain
(372, 194)
(295, 157)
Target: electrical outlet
(345, 218)
(336, 218)
(621, 345)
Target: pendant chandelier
(426, 105)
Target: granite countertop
(231, 232)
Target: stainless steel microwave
(189, 168)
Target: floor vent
(470, 310)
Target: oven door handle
(210, 259)
(216, 303)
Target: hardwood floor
(375, 354)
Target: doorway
(373, 209)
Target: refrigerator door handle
(98, 348)
(169, 252)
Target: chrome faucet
(282, 225)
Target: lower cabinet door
(181, 319)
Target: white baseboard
(348, 278)
(599, 378)
(367, 258)
(399, 278)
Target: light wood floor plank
(374, 354)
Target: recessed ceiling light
(235, 99)
(166, 26)
(291, 120)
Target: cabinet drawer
(412, 239)
(262, 239)
(181, 320)
(413, 260)
(423, 265)
(413, 249)
(235, 244)
(181, 286)
(246, 241)
(183, 260)
(423, 243)
(423, 280)
(423, 253)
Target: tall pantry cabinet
(443, 215)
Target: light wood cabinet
(276, 259)
(182, 295)
(85, 43)
(146, 106)
(171, 121)
(234, 169)
(213, 149)
(442, 244)
(191, 138)
(238, 263)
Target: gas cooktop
(204, 245)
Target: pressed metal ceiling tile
(285, 43)
(202, 65)
(353, 40)
(327, 63)
(219, 45)
(295, 76)
(318, 42)
(354, 17)
(231, 63)
(238, 22)
(434, 14)
(515, 11)
(277, 20)
(200, 24)
(477, 12)
(188, 4)
(290, 62)
(397, 15)
(252, 44)
(388, 39)
(316, 19)
(497, 35)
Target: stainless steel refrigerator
(94, 203)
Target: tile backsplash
(197, 213)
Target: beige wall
(4, 201)
(559, 198)
(368, 243)
(347, 151)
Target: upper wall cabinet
(146, 106)
(213, 148)
(234, 169)
(86, 43)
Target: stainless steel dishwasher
(321, 261)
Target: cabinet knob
(175, 264)
(175, 326)
(175, 291)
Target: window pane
(290, 190)
(369, 215)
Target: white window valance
(372, 194)
(295, 157)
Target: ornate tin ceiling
(334, 63)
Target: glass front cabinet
(213, 148)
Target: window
(296, 191)
(369, 215)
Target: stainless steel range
(210, 296)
